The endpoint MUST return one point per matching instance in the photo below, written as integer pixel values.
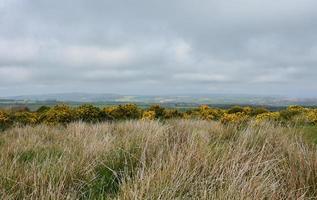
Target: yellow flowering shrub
(148, 115)
(296, 109)
(312, 116)
(59, 114)
(4, 120)
(187, 115)
(159, 111)
(247, 110)
(269, 116)
(25, 118)
(208, 113)
(122, 112)
(88, 113)
(171, 113)
(236, 118)
(235, 109)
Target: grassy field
(177, 159)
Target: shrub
(172, 113)
(123, 112)
(247, 110)
(235, 109)
(296, 109)
(159, 111)
(207, 113)
(89, 113)
(269, 116)
(59, 114)
(25, 118)
(148, 115)
(312, 116)
(288, 115)
(236, 118)
(43, 109)
(5, 120)
(258, 111)
(192, 114)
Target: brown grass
(179, 159)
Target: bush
(172, 113)
(159, 111)
(59, 114)
(148, 115)
(235, 118)
(89, 113)
(296, 109)
(235, 109)
(288, 115)
(5, 120)
(207, 113)
(269, 116)
(25, 118)
(258, 111)
(43, 109)
(312, 116)
(123, 112)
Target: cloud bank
(158, 47)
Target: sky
(155, 47)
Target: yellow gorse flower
(148, 115)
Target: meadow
(123, 152)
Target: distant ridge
(212, 99)
(75, 97)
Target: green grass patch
(39, 155)
(310, 133)
(117, 165)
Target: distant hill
(74, 97)
(212, 99)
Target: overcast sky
(158, 46)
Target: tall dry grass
(179, 159)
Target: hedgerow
(64, 114)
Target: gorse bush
(60, 114)
(123, 112)
(235, 109)
(236, 118)
(4, 120)
(64, 114)
(25, 118)
(89, 113)
(172, 114)
(158, 110)
(312, 116)
(267, 117)
(148, 115)
(43, 109)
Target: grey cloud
(143, 47)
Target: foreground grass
(179, 159)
